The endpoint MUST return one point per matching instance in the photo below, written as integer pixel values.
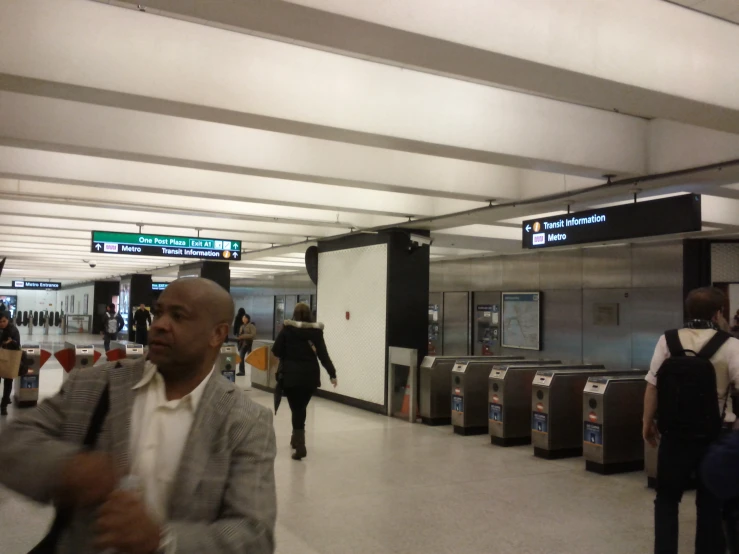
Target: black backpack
(687, 399)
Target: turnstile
(265, 380)
(556, 406)
(469, 402)
(76, 356)
(435, 393)
(25, 387)
(227, 361)
(509, 399)
(612, 408)
(124, 349)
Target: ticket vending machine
(227, 361)
(123, 349)
(76, 356)
(25, 387)
(486, 323)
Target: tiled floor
(375, 485)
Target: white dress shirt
(159, 431)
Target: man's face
(3, 322)
(142, 307)
(183, 332)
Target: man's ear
(220, 334)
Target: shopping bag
(10, 363)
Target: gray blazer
(223, 499)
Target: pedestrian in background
(299, 347)
(112, 325)
(247, 334)
(142, 319)
(238, 321)
(10, 338)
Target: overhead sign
(159, 286)
(678, 214)
(133, 244)
(36, 285)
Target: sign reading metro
(136, 244)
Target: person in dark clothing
(246, 335)
(10, 338)
(299, 346)
(112, 325)
(680, 456)
(720, 476)
(238, 321)
(142, 319)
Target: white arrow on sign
(236, 254)
(98, 247)
(528, 228)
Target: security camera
(420, 240)
(93, 264)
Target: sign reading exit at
(133, 244)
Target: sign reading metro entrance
(37, 285)
(677, 214)
(134, 244)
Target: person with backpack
(686, 404)
(112, 325)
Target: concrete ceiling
(724, 9)
(280, 123)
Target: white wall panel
(33, 300)
(355, 281)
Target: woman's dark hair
(302, 313)
(704, 303)
(247, 316)
(111, 306)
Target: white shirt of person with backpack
(693, 338)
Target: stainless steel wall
(644, 281)
(456, 333)
(259, 303)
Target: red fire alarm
(348, 316)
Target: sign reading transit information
(134, 244)
(677, 214)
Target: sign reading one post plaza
(165, 246)
(677, 214)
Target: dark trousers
(299, 398)
(243, 353)
(678, 461)
(107, 337)
(142, 336)
(7, 389)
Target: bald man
(199, 454)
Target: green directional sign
(135, 244)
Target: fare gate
(25, 387)
(556, 407)
(228, 360)
(124, 350)
(435, 392)
(612, 423)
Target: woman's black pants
(299, 398)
